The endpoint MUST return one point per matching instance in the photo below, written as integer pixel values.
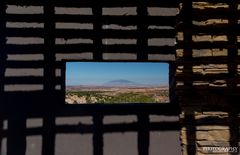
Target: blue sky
(98, 73)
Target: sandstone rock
(208, 5)
(213, 135)
(69, 101)
(93, 99)
(74, 99)
(210, 22)
(212, 143)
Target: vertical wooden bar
(187, 35)
(188, 69)
(16, 138)
(98, 134)
(172, 84)
(142, 39)
(97, 28)
(3, 57)
(1, 131)
(143, 134)
(48, 143)
(233, 74)
(3, 52)
(233, 47)
(49, 42)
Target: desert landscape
(116, 92)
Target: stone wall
(207, 75)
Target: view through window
(116, 82)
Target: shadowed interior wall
(38, 36)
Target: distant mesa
(115, 83)
(122, 83)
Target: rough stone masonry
(207, 76)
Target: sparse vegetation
(121, 95)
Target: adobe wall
(207, 75)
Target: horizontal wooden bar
(25, 49)
(39, 18)
(103, 3)
(91, 34)
(29, 80)
(207, 45)
(206, 77)
(161, 33)
(213, 29)
(74, 33)
(78, 48)
(216, 13)
(24, 64)
(161, 50)
(25, 2)
(206, 60)
(74, 18)
(25, 32)
(24, 80)
(215, 1)
(121, 20)
(118, 109)
(116, 3)
(109, 128)
(38, 111)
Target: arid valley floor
(99, 94)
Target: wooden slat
(216, 13)
(74, 18)
(121, 20)
(215, 1)
(16, 126)
(109, 128)
(134, 20)
(98, 134)
(161, 33)
(78, 48)
(161, 50)
(143, 134)
(206, 77)
(74, 48)
(117, 3)
(205, 60)
(105, 3)
(97, 41)
(25, 18)
(207, 45)
(119, 109)
(25, 32)
(142, 40)
(3, 50)
(25, 49)
(213, 29)
(133, 48)
(24, 64)
(25, 2)
(73, 33)
(24, 80)
(28, 80)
